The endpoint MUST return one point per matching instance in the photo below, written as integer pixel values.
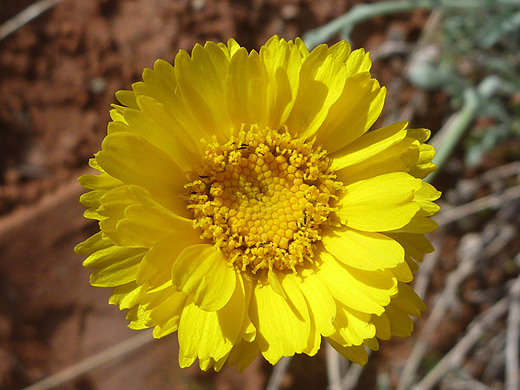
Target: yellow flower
(243, 202)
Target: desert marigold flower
(243, 202)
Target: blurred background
(450, 66)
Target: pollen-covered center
(263, 198)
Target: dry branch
(490, 201)
(470, 248)
(351, 378)
(333, 367)
(24, 17)
(115, 352)
(275, 381)
(455, 357)
(512, 340)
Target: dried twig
(24, 17)
(455, 357)
(428, 35)
(351, 378)
(390, 48)
(491, 356)
(471, 245)
(490, 201)
(471, 252)
(500, 173)
(275, 381)
(477, 329)
(512, 340)
(423, 277)
(461, 380)
(115, 352)
(333, 367)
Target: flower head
(243, 202)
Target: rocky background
(58, 76)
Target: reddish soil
(58, 77)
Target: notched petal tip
(201, 272)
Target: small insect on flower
(243, 201)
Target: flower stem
(345, 23)
(454, 128)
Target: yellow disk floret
(263, 198)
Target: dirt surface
(58, 76)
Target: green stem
(453, 129)
(361, 12)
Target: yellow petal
(231, 48)
(126, 296)
(133, 160)
(243, 354)
(201, 271)
(372, 343)
(137, 317)
(424, 165)
(382, 325)
(418, 225)
(161, 256)
(403, 272)
(114, 265)
(322, 80)
(364, 291)
(206, 364)
(369, 145)
(101, 181)
(358, 62)
(165, 308)
(262, 87)
(186, 361)
(158, 83)
(424, 197)
(163, 118)
(204, 334)
(414, 267)
(322, 306)
(283, 63)
(117, 116)
(92, 244)
(353, 113)
(408, 301)
(201, 83)
(126, 98)
(340, 51)
(300, 45)
(91, 198)
(380, 204)
(415, 245)
(401, 325)
(400, 157)
(402, 306)
(354, 326)
(248, 331)
(315, 302)
(112, 210)
(363, 250)
(155, 122)
(356, 354)
(147, 222)
(247, 90)
(282, 325)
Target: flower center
(263, 198)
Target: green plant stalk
(361, 12)
(453, 129)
